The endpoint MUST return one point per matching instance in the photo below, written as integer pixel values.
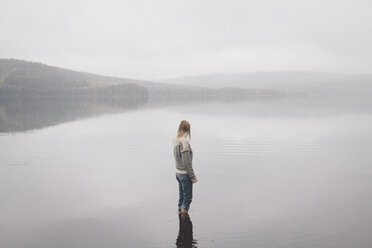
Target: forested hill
(24, 78)
(20, 78)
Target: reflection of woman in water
(184, 172)
(185, 236)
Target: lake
(292, 172)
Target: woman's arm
(187, 160)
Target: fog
(278, 95)
(160, 39)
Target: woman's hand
(194, 180)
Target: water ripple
(241, 147)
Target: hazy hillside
(25, 79)
(20, 78)
(20, 68)
(282, 80)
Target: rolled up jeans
(185, 191)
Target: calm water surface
(283, 173)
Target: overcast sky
(157, 39)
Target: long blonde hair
(184, 130)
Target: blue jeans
(185, 191)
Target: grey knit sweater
(183, 156)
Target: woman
(184, 172)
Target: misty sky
(170, 38)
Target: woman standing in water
(184, 172)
